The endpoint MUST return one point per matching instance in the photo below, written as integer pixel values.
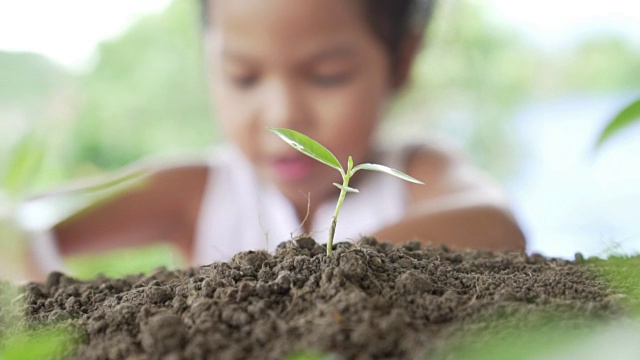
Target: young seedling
(315, 150)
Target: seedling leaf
(387, 170)
(308, 146)
(346, 188)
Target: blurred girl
(328, 69)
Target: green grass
(119, 263)
(623, 272)
(544, 338)
(37, 345)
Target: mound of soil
(366, 301)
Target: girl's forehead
(287, 18)
(288, 28)
(283, 7)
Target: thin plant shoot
(315, 150)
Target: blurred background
(525, 87)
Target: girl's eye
(244, 82)
(330, 80)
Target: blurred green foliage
(26, 78)
(24, 161)
(145, 95)
(474, 74)
(30, 87)
(147, 92)
(603, 63)
(469, 80)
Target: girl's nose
(283, 106)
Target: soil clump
(368, 300)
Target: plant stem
(343, 193)
(334, 220)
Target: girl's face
(307, 65)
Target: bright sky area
(68, 30)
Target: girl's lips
(291, 169)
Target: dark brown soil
(366, 301)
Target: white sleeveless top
(239, 212)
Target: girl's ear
(408, 51)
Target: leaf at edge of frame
(308, 146)
(624, 118)
(387, 170)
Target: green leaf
(346, 188)
(388, 170)
(26, 159)
(626, 117)
(308, 146)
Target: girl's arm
(458, 207)
(163, 208)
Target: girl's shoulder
(182, 177)
(446, 170)
(434, 159)
(163, 175)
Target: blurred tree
(467, 82)
(473, 74)
(27, 79)
(603, 64)
(146, 95)
(35, 98)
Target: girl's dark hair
(391, 20)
